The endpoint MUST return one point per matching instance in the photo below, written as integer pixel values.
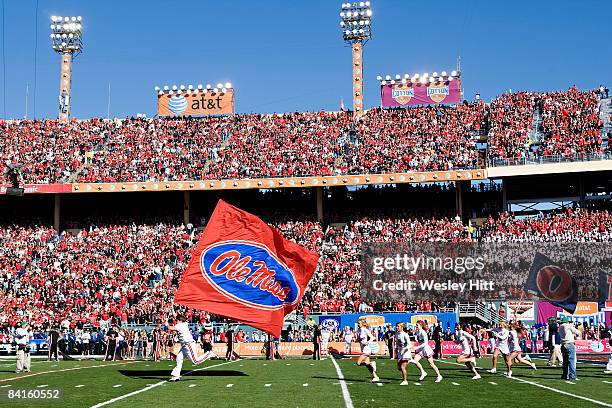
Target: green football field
(300, 383)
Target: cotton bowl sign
(410, 94)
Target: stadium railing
(548, 159)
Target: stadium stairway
(535, 134)
(605, 112)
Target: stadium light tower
(356, 25)
(66, 40)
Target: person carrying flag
(188, 347)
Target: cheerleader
(403, 352)
(501, 345)
(469, 345)
(423, 350)
(515, 350)
(348, 340)
(364, 336)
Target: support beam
(186, 206)
(57, 209)
(319, 204)
(459, 198)
(504, 195)
(581, 189)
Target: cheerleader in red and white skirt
(364, 337)
(403, 352)
(501, 345)
(469, 345)
(515, 350)
(423, 350)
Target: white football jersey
(183, 333)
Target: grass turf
(86, 383)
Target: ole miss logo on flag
(246, 270)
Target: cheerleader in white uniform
(468, 345)
(403, 352)
(515, 350)
(364, 336)
(501, 346)
(423, 350)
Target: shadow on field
(165, 374)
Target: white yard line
(150, 387)
(62, 370)
(603, 404)
(348, 403)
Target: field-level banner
(410, 94)
(195, 103)
(296, 349)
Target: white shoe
(493, 371)
(375, 379)
(509, 374)
(422, 377)
(174, 379)
(476, 377)
(404, 382)
(438, 378)
(534, 366)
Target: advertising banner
(191, 103)
(522, 310)
(410, 94)
(42, 188)
(382, 319)
(296, 349)
(588, 312)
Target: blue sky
(288, 55)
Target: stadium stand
(129, 273)
(302, 144)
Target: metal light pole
(66, 40)
(356, 27)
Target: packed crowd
(117, 274)
(417, 139)
(570, 226)
(571, 121)
(510, 119)
(299, 144)
(570, 126)
(49, 151)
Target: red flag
(246, 270)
